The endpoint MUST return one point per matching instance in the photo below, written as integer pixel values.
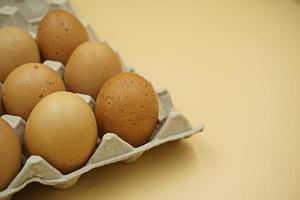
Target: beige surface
(233, 65)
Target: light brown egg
(17, 47)
(59, 33)
(10, 154)
(26, 86)
(89, 67)
(62, 129)
(127, 105)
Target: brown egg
(26, 86)
(62, 129)
(127, 106)
(59, 33)
(89, 67)
(17, 47)
(10, 154)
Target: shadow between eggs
(158, 168)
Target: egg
(10, 154)
(127, 105)
(89, 67)
(59, 33)
(62, 129)
(27, 85)
(17, 47)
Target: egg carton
(172, 125)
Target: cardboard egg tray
(171, 126)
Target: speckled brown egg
(90, 66)
(62, 129)
(10, 154)
(26, 86)
(127, 105)
(59, 33)
(17, 47)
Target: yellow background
(233, 65)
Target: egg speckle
(127, 105)
(26, 86)
(10, 154)
(59, 33)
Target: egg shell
(10, 154)
(17, 47)
(27, 85)
(59, 33)
(127, 105)
(62, 129)
(90, 66)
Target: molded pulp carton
(172, 125)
